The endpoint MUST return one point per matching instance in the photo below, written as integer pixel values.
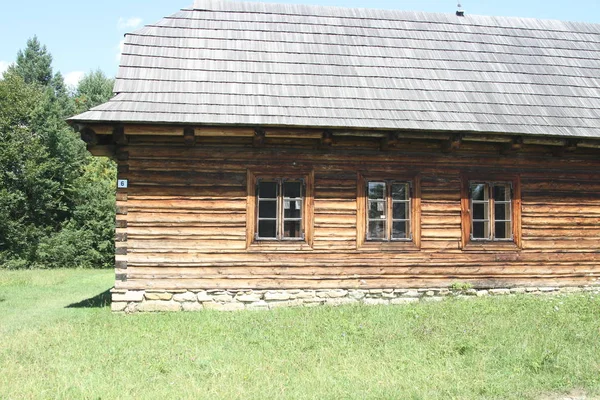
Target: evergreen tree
(56, 200)
(34, 63)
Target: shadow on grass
(98, 301)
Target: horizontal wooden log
(187, 213)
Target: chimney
(460, 12)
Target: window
(388, 212)
(280, 209)
(491, 216)
(491, 211)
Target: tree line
(57, 202)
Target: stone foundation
(232, 300)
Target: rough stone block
(481, 293)
(186, 296)
(548, 289)
(260, 305)
(191, 306)
(203, 296)
(118, 306)
(337, 293)
(159, 296)
(159, 305)
(277, 296)
(499, 292)
(305, 294)
(216, 291)
(222, 297)
(313, 300)
(130, 295)
(518, 290)
(247, 298)
(356, 294)
(332, 293)
(132, 307)
(411, 293)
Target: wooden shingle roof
(260, 64)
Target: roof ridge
(370, 13)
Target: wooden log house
(278, 151)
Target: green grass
(501, 347)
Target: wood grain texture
(186, 219)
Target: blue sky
(83, 36)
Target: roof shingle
(242, 63)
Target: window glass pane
(400, 210)
(503, 230)
(400, 191)
(376, 230)
(481, 230)
(501, 193)
(291, 229)
(267, 229)
(267, 190)
(267, 209)
(292, 208)
(376, 190)
(400, 230)
(292, 189)
(376, 209)
(479, 192)
(502, 211)
(480, 210)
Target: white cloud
(120, 48)
(129, 23)
(3, 67)
(72, 78)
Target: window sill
(279, 245)
(490, 246)
(397, 246)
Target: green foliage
(56, 201)
(94, 88)
(461, 286)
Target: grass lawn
(56, 345)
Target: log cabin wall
(182, 221)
